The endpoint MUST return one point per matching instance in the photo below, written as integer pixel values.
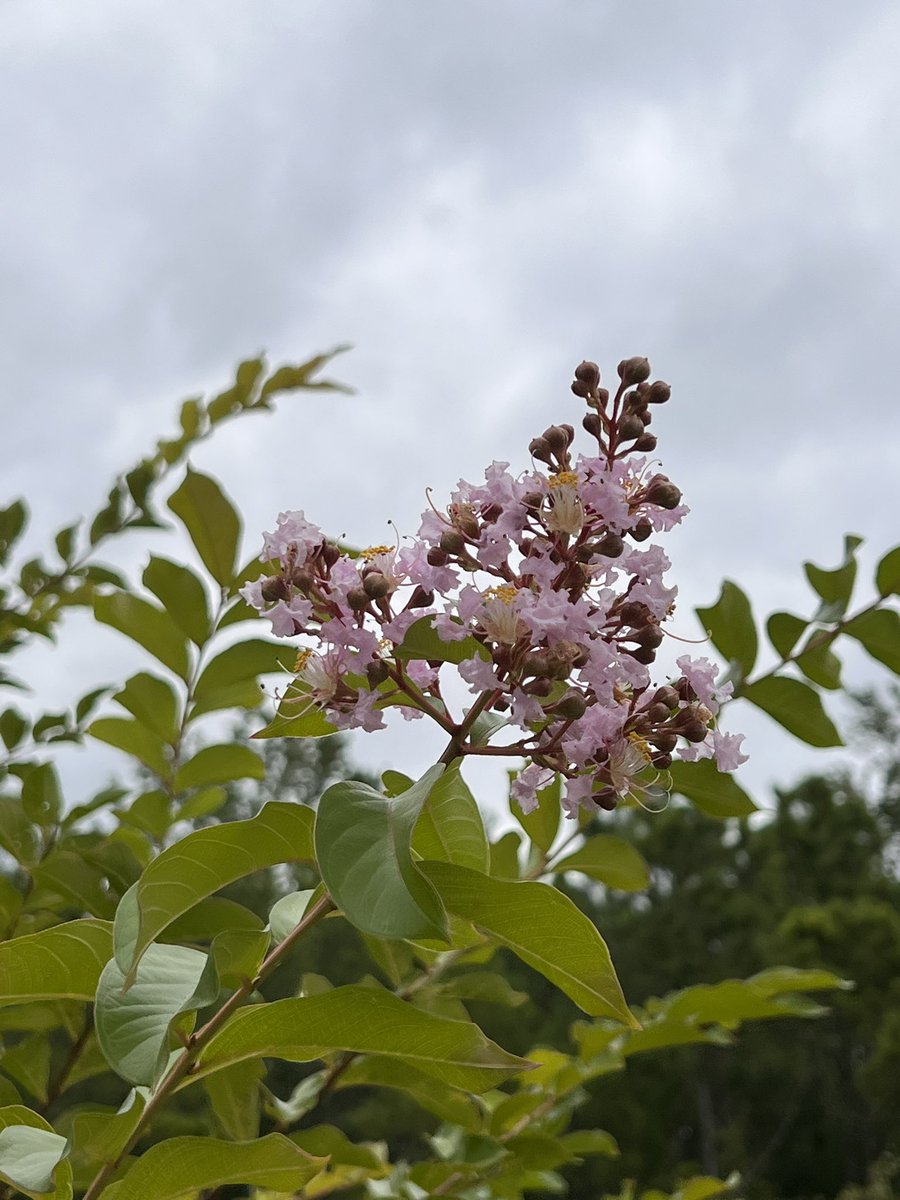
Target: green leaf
(887, 574)
(133, 1026)
(151, 811)
(363, 1020)
(204, 862)
(240, 394)
(28, 1063)
(542, 823)
(732, 1001)
(611, 861)
(505, 856)
(62, 963)
(590, 1141)
(878, 631)
(445, 1102)
(423, 641)
(795, 706)
(32, 1155)
(730, 624)
(288, 377)
(182, 1167)
(209, 917)
(486, 987)
(13, 727)
(237, 954)
(363, 850)
(297, 716)
(835, 587)
(149, 626)
(202, 804)
(240, 664)
(235, 1096)
(219, 764)
(544, 928)
(67, 874)
(327, 1141)
(784, 630)
(287, 913)
(449, 827)
(182, 595)
(41, 795)
(212, 522)
(819, 662)
(12, 524)
(153, 702)
(135, 739)
(18, 836)
(716, 793)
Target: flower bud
(452, 541)
(667, 696)
(634, 370)
(592, 423)
(538, 687)
(630, 427)
(588, 372)
(330, 554)
(665, 741)
(581, 389)
(694, 731)
(607, 798)
(539, 449)
(465, 520)
(662, 761)
(645, 443)
(420, 598)
(436, 557)
(642, 530)
(571, 705)
(376, 672)
(490, 513)
(275, 588)
(569, 431)
(663, 492)
(610, 545)
(659, 392)
(533, 500)
(376, 585)
(357, 599)
(555, 437)
(649, 635)
(657, 713)
(643, 654)
(302, 579)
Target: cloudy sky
(477, 196)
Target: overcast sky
(477, 195)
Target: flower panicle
(548, 579)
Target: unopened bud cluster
(546, 580)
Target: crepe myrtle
(548, 581)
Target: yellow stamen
(640, 744)
(564, 479)
(374, 551)
(503, 592)
(303, 657)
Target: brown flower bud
(610, 545)
(664, 741)
(667, 696)
(276, 587)
(465, 520)
(538, 687)
(302, 579)
(630, 427)
(555, 437)
(663, 492)
(645, 443)
(376, 672)
(539, 449)
(642, 530)
(357, 599)
(694, 731)
(634, 370)
(644, 654)
(569, 431)
(607, 798)
(659, 392)
(662, 761)
(490, 513)
(330, 553)
(376, 585)
(633, 613)
(533, 499)
(581, 389)
(420, 598)
(650, 635)
(588, 372)
(571, 705)
(592, 423)
(436, 557)
(452, 541)
(657, 713)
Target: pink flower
(293, 536)
(527, 784)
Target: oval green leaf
(731, 627)
(149, 626)
(363, 850)
(611, 861)
(62, 963)
(211, 521)
(716, 793)
(182, 595)
(450, 828)
(544, 928)
(363, 1020)
(796, 707)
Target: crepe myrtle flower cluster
(548, 586)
